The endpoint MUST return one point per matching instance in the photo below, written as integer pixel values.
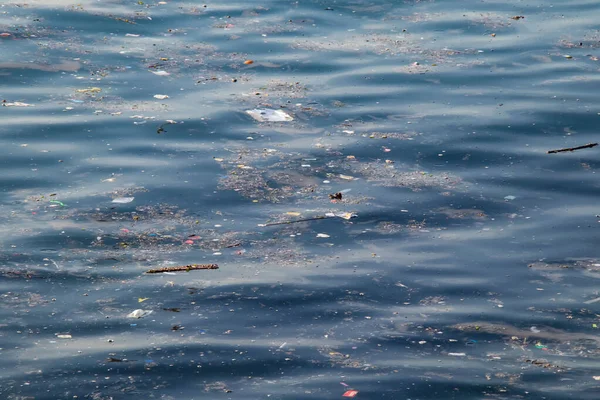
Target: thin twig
(183, 268)
(585, 146)
(295, 221)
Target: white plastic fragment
(64, 336)
(139, 313)
(322, 235)
(161, 96)
(509, 198)
(17, 104)
(161, 73)
(268, 115)
(346, 215)
(457, 354)
(123, 200)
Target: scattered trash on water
(139, 313)
(295, 221)
(161, 128)
(585, 146)
(16, 104)
(161, 96)
(336, 196)
(64, 336)
(190, 267)
(346, 215)
(89, 90)
(268, 115)
(123, 200)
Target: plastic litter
(350, 393)
(457, 354)
(346, 215)
(161, 73)
(64, 336)
(161, 96)
(123, 200)
(89, 90)
(322, 235)
(17, 104)
(268, 115)
(139, 313)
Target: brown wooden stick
(585, 146)
(183, 268)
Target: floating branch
(183, 268)
(585, 146)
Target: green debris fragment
(60, 203)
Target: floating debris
(585, 146)
(89, 90)
(139, 313)
(123, 200)
(269, 115)
(191, 267)
(16, 104)
(64, 336)
(161, 73)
